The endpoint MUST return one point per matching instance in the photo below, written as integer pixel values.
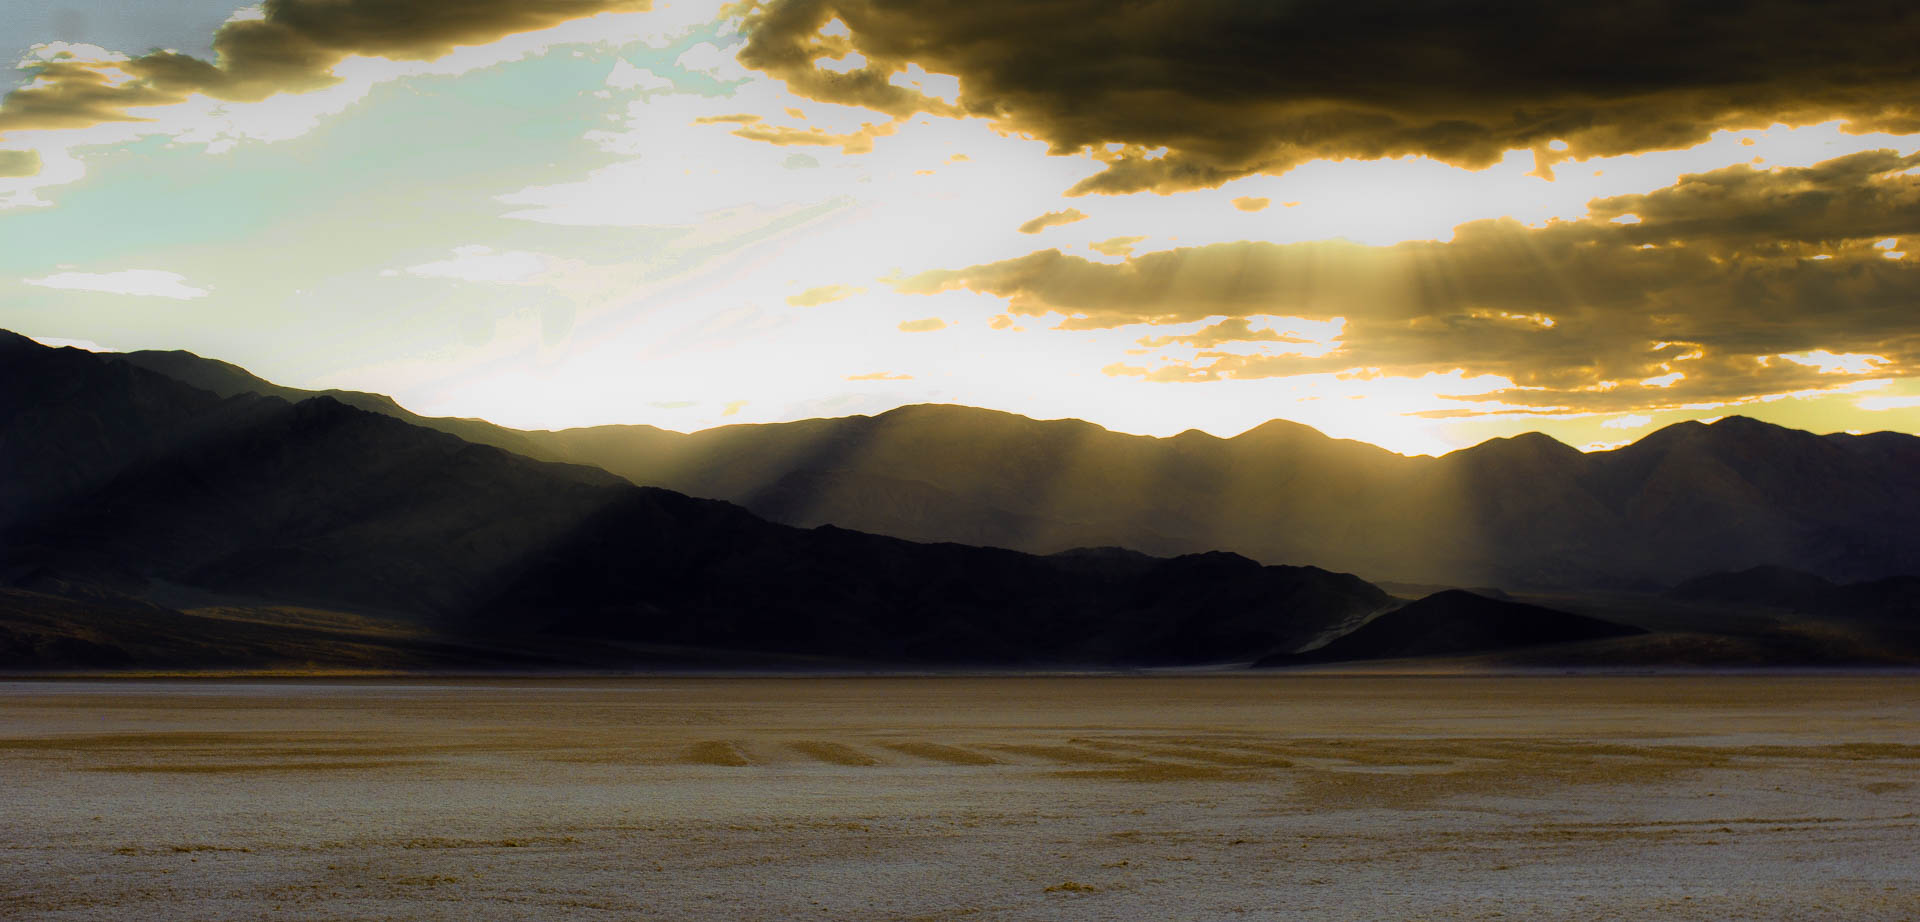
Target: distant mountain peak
(953, 411)
(939, 409)
(1746, 431)
(1685, 426)
(1277, 429)
(1537, 441)
(1723, 427)
(1526, 445)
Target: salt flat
(1218, 797)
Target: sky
(1415, 225)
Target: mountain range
(126, 488)
(1523, 512)
(160, 510)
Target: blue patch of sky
(293, 234)
(429, 152)
(186, 26)
(660, 61)
(423, 151)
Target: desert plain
(1274, 796)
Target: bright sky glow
(612, 220)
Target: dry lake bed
(1228, 797)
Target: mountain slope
(225, 379)
(1526, 511)
(321, 504)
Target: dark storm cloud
(292, 50)
(1235, 87)
(1725, 272)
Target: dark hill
(1455, 622)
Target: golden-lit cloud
(1052, 219)
(19, 163)
(291, 47)
(824, 294)
(858, 141)
(923, 325)
(1192, 95)
(1252, 203)
(880, 376)
(1115, 246)
(1229, 330)
(1732, 283)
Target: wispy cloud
(151, 283)
(923, 325)
(487, 265)
(1052, 219)
(824, 294)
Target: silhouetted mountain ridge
(1526, 511)
(174, 489)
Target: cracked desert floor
(1199, 797)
